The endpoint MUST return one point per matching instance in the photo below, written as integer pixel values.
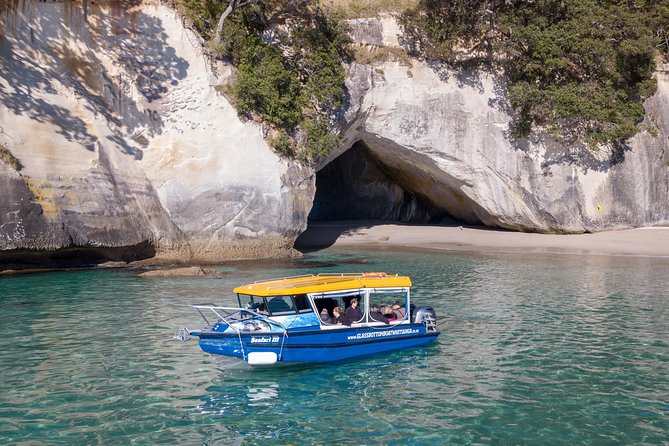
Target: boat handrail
(213, 309)
(280, 279)
(379, 275)
(299, 276)
(262, 317)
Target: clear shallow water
(534, 350)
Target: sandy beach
(652, 242)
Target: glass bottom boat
(290, 320)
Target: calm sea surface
(534, 350)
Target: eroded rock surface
(125, 140)
(444, 135)
(129, 149)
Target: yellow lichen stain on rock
(85, 116)
(44, 197)
(83, 66)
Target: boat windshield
(275, 305)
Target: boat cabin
(311, 294)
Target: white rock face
(124, 139)
(445, 135)
(128, 147)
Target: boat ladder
(430, 322)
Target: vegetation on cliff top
(581, 68)
(289, 57)
(354, 9)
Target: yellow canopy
(323, 283)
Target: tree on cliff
(232, 7)
(579, 68)
(289, 57)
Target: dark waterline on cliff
(535, 349)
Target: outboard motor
(426, 315)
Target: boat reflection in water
(279, 320)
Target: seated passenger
(387, 312)
(340, 318)
(325, 317)
(399, 311)
(376, 315)
(353, 312)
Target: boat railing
(230, 315)
(299, 276)
(378, 275)
(227, 315)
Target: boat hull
(317, 345)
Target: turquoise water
(535, 350)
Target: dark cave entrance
(356, 189)
(355, 186)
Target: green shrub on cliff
(202, 14)
(320, 141)
(283, 144)
(266, 86)
(581, 66)
(288, 56)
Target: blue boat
(290, 320)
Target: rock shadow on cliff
(138, 41)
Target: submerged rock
(191, 271)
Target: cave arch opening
(362, 187)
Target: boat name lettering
(380, 334)
(264, 339)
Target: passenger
(340, 318)
(399, 311)
(376, 315)
(325, 317)
(387, 312)
(353, 312)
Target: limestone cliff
(125, 141)
(443, 135)
(129, 149)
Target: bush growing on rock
(582, 66)
(289, 56)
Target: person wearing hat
(376, 315)
(325, 317)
